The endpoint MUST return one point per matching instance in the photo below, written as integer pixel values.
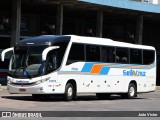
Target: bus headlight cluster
(43, 80)
(9, 80)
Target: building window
(5, 25)
(47, 26)
(24, 26)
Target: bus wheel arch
(132, 90)
(70, 90)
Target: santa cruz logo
(133, 73)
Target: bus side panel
(147, 83)
(109, 78)
(72, 72)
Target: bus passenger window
(76, 53)
(108, 54)
(135, 56)
(148, 56)
(122, 55)
(92, 53)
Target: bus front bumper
(36, 89)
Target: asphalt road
(149, 102)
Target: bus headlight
(8, 80)
(43, 80)
(38, 82)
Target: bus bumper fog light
(8, 81)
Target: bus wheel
(68, 95)
(132, 92)
(103, 96)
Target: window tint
(122, 55)
(135, 56)
(92, 53)
(148, 56)
(108, 54)
(76, 53)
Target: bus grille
(23, 84)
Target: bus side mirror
(45, 52)
(5, 51)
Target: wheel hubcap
(70, 92)
(131, 91)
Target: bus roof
(106, 41)
(44, 40)
(50, 39)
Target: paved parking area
(24, 102)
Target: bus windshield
(27, 62)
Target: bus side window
(76, 53)
(92, 53)
(52, 62)
(135, 56)
(148, 56)
(107, 54)
(122, 55)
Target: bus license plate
(22, 90)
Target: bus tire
(69, 91)
(103, 96)
(132, 92)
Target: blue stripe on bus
(87, 67)
(104, 70)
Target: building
(135, 21)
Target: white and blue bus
(68, 65)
